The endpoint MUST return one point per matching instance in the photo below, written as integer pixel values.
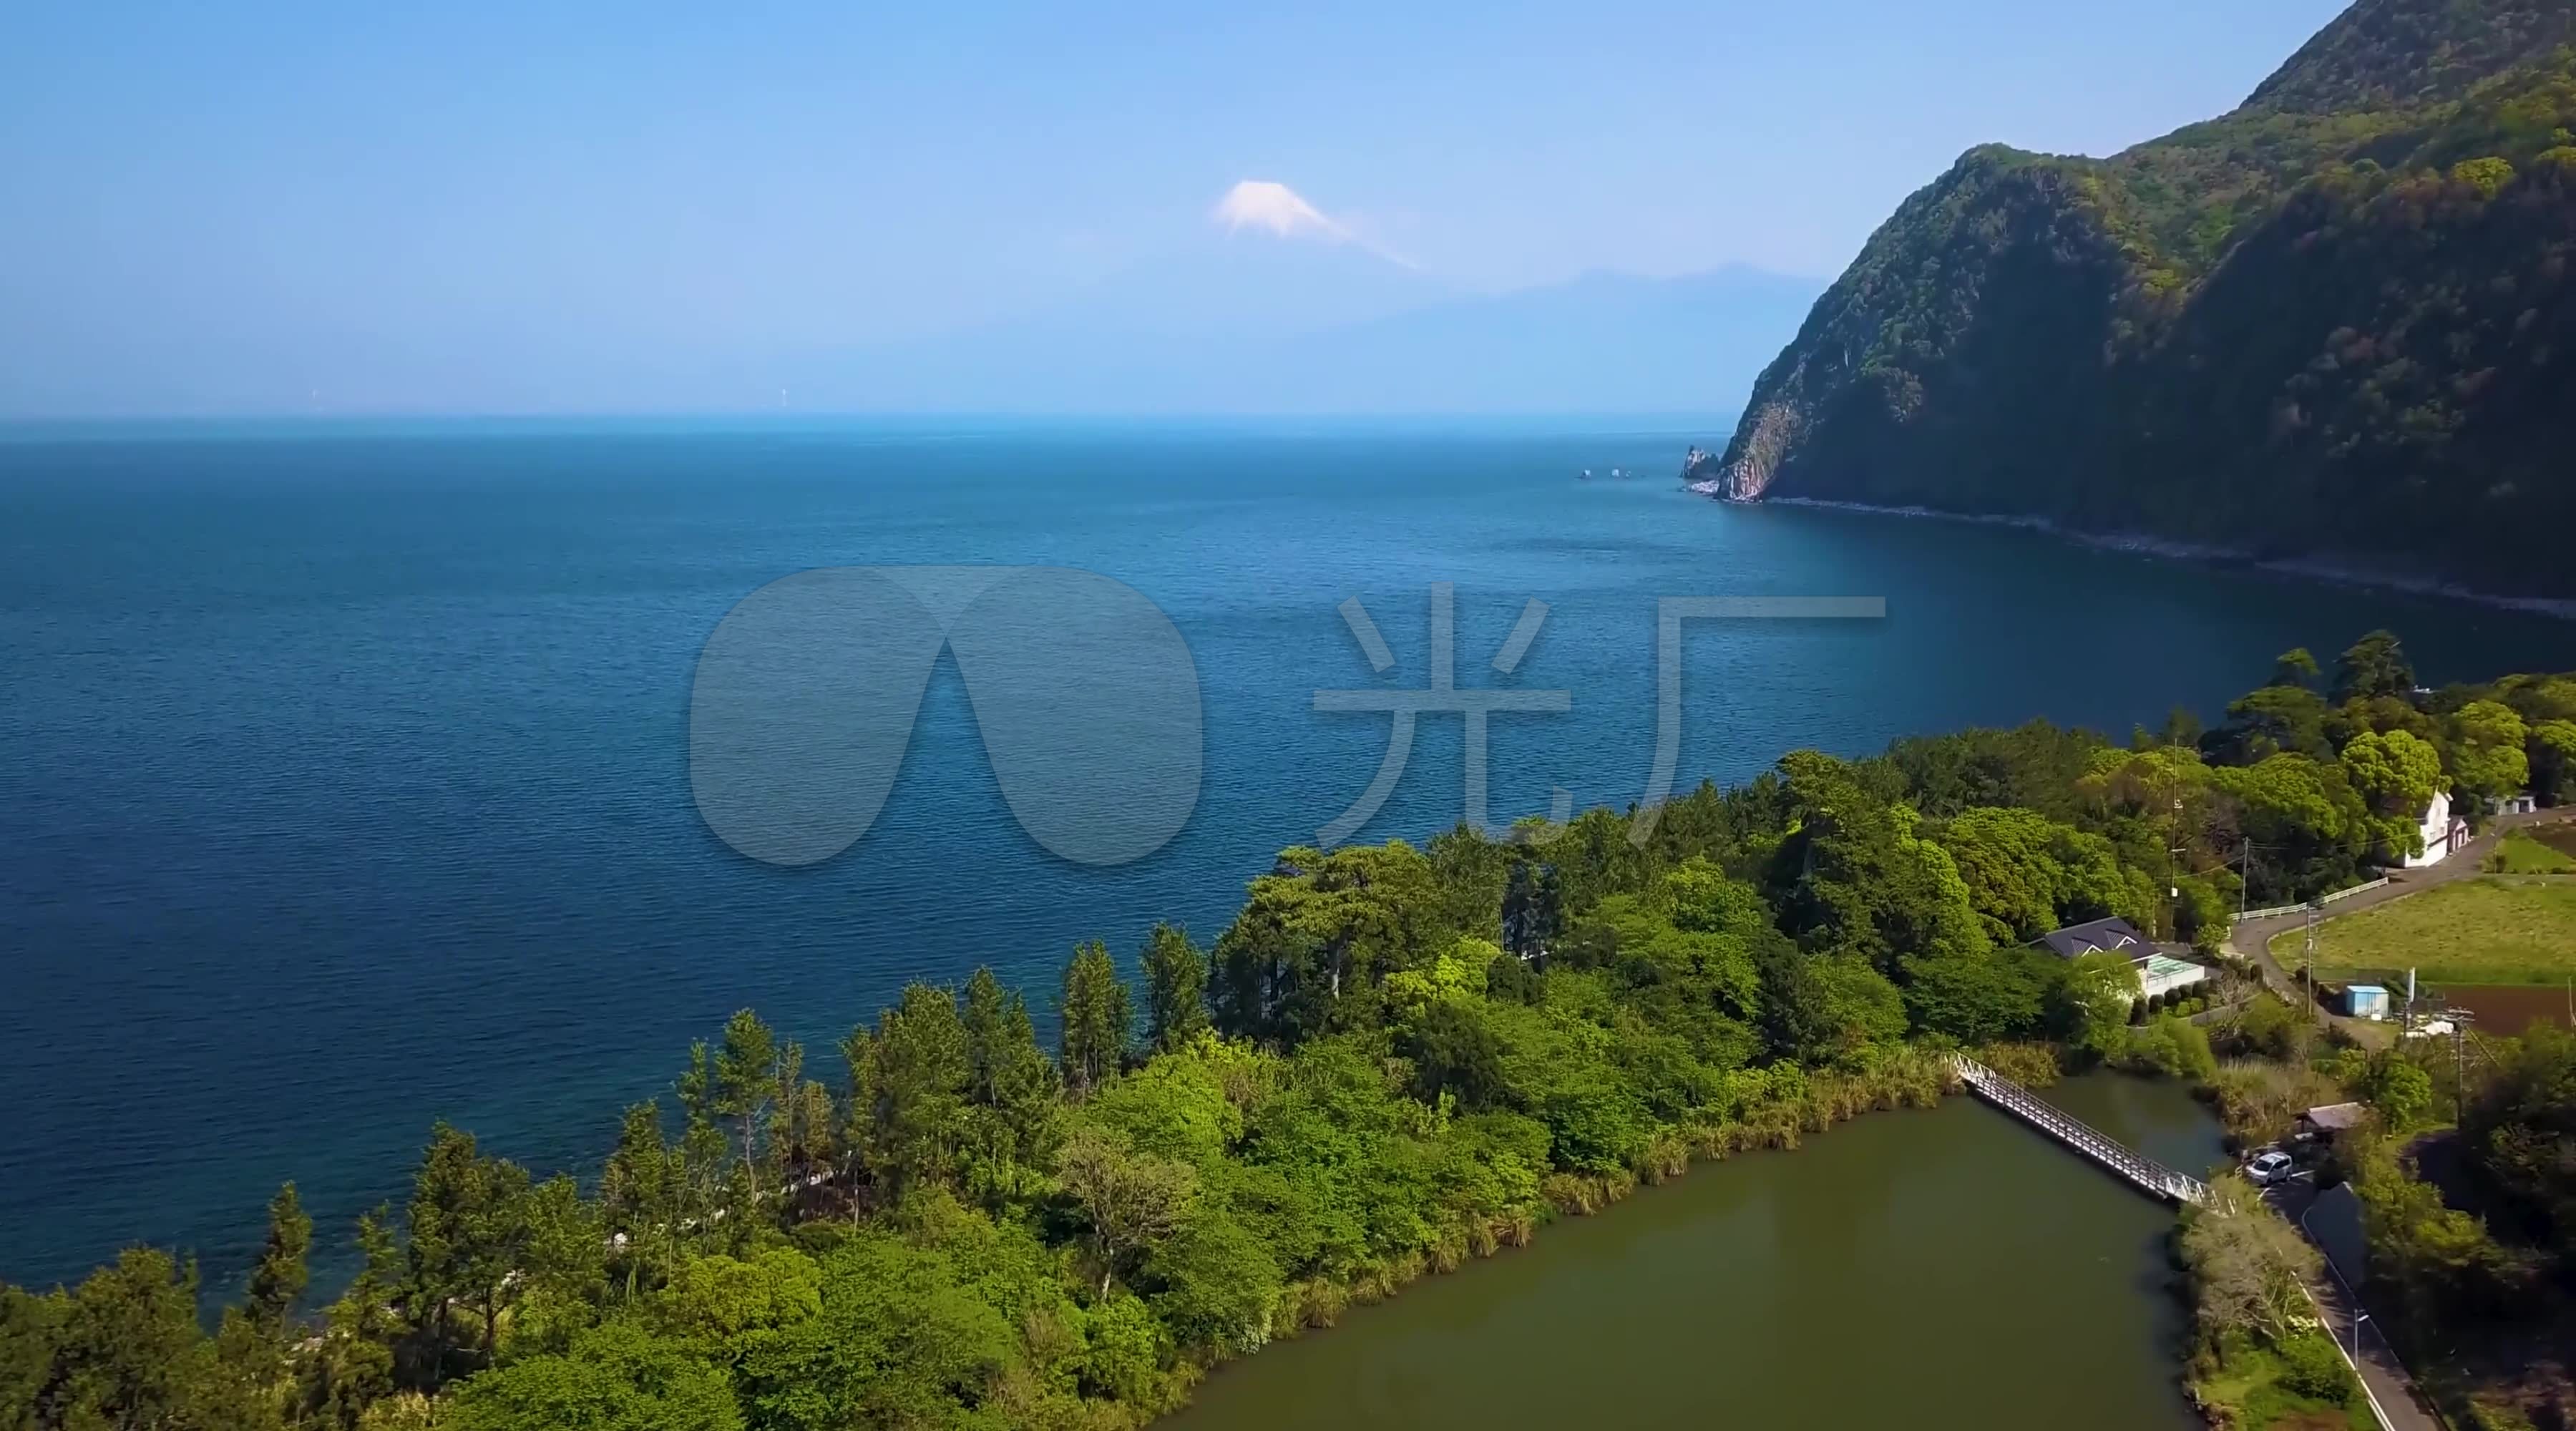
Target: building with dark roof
(2110, 936)
(2160, 968)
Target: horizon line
(112, 426)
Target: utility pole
(2173, 887)
(2173, 893)
(2460, 1021)
(2308, 965)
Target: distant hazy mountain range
(1257, 323)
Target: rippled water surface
(346, 782)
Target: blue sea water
(344, 770)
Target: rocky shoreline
(2347, 572)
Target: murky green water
(1943, 1269)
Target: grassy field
(2492, 930)
(2560, 836)
(2519, 853)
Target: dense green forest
(2335, 322)
(2471, 1268)
(2479, 1265)
(1393, 1060)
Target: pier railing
(2141, 1171)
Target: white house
(2443, 831)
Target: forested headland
(2334, 323)
(1392, 1061)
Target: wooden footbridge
(2144, 1173)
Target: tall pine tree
(1096, 1016)
(1176, 977)
(746, 1077)
(278, 1282)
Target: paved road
(2253, 938)
(2333, 1224)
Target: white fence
(2323, 899)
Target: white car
(2266, 1169)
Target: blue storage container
(2365, 1001)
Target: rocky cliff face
(2336, 320)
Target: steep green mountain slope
(2337, 321)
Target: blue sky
(243, 207)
